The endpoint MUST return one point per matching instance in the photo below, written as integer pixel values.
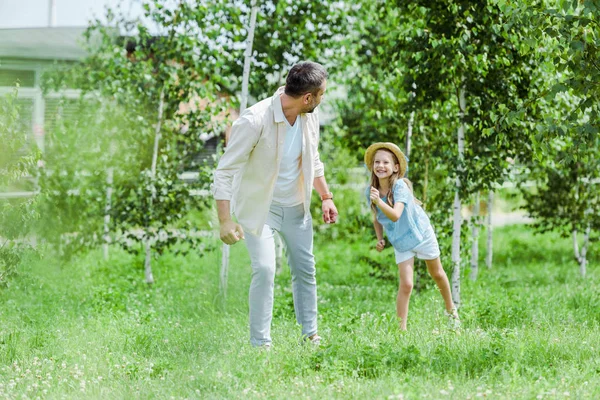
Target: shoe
(264, 347)
(453, 319)
(315, 340)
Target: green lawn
(92, 329)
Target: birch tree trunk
(248, 56)
(224, 275)
(490, 248)
(426, 180)
(583, 262)
(475, 245)
(107, 208)
(147, 244)
(243, 103)
(575, 245)
(581, 257)
(411, 121)
(457, 206)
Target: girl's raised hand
(374, 195)
(380, 245)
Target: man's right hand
(231, 233)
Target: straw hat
(372, 149)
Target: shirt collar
(277, 108)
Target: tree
(567, 199)
(18, 161)
(289, 32)
(565, 166)
(445, 52)
(169, 91)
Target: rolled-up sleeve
(318, 165)
(244, 136)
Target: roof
(42, 43)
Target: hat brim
(372, 149)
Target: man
(266, 175)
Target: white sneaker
(315, 340)
(453, 319)
(265, 347)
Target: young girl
(406, 225)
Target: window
(58, 108)
(9, 77)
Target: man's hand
(231, 233)
(374, 195)
(330, 213)
(380, 245)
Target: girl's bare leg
(435, 269)
(405, 270)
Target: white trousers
(298, 237)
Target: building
(26, 53)
(24, 56)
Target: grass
(92, 329)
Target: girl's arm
(378, 229)
(379, 232)
(393, 213)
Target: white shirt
(288, 188)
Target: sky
(34, 13)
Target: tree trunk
(148, 262)
(475, 245)
(248, 56)
(224, 272)
(581, 257)
(107, 208)
(426, 179)
(426, 173)
(456, 250)
(147, 244)
(575, 245)
(409, 131)
(457, 206)
(243, 103)
(490, 248)
(583, 262)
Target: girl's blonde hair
(391, 182)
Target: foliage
(18, 162)
(566, 198)
(149, 89)
(571, 31)
(565, 168)
(73, 180)
(415, 58)
(320, 33)
(424, 54)
(347, 182)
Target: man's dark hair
(305, 77)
